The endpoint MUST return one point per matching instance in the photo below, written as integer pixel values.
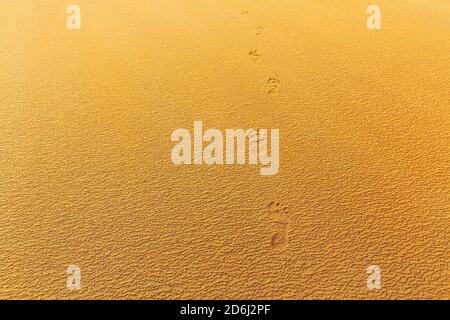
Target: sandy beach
(86, 178)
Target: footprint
(259, 30)
(280, 238)
(255, 54)
(276, 206)
(274, 86)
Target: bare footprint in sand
(277, 207)
(259, 30)
(274, 86)
(255, 54)
(280, 236)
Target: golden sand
(86, 175)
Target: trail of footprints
(279, 213)
(272, 83)
(280, 237)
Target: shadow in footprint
(259, 30)
(280, 235)
(280, 238)
(274, 86)
(255, 54)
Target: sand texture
(86, 176)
